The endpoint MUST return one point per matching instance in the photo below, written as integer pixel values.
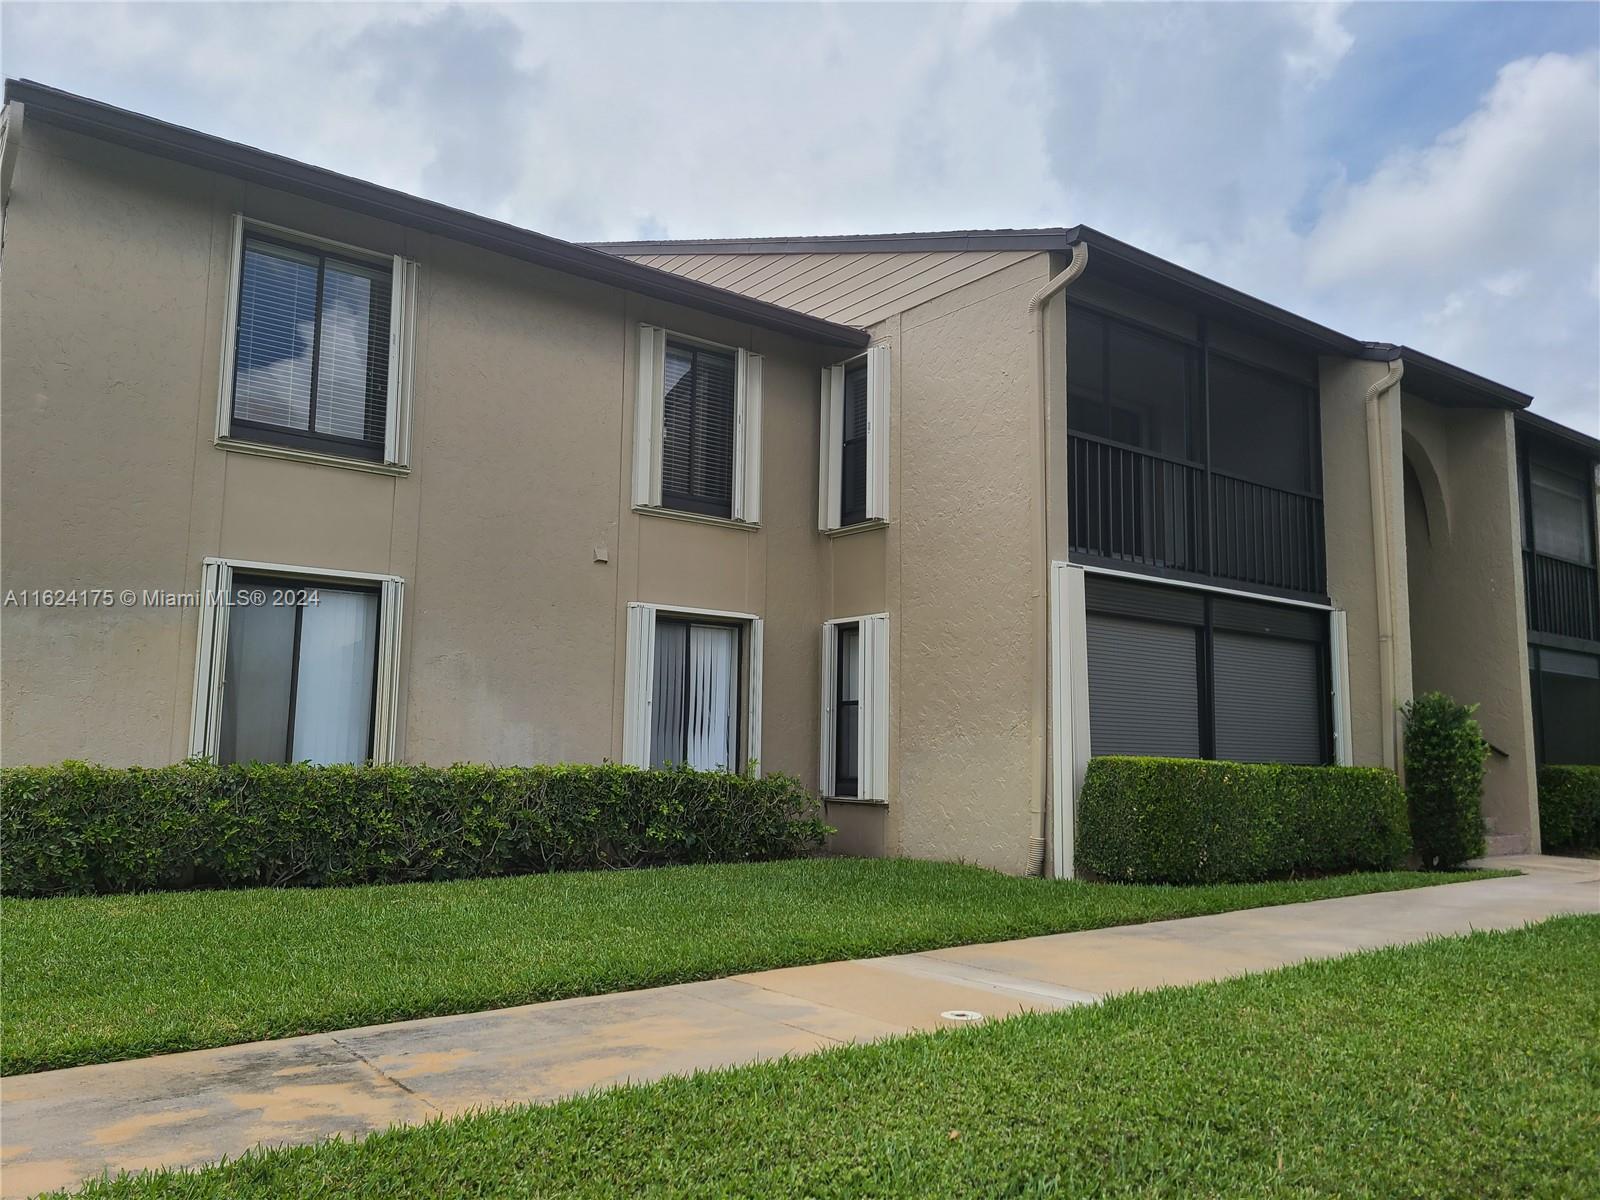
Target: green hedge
(1569, 808)
(1182, 820)
(1444, 780)
(79, 828)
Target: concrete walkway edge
(179, 1110)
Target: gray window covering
(1268, 699)
(1143, 688)
(697, 430)
(1569, 708)
(694, 717)
(313, 345)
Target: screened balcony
(1558, 552)
(1185, 461)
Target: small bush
(1569, 808)
(79, 828)
(1444, 780)
(1181, 820)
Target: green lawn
(1462, 1067)
(93, 979)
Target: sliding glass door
(694, 716)
(300, 667)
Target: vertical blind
(299, 677)
(694, 710)
(697, 429)
(312, 356)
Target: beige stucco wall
(1463, 542)
(1351, 561)
(115, 275)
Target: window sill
(236, 446)
(673, 514)
(855, 800)
(858, 527)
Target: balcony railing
(1148, 510)
(1562, 596)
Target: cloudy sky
(1425, 173)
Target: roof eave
(179, 144)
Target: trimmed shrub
(79, 828)
(1569, 808)
(1444, 780)
(1184, 820)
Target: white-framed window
(296, 664)
(697, 427)
(853, 483)
(855, 708)
(693, 689)
(317, 350)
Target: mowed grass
(94, 979)
(1460, 1067)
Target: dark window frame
(1198, 456)
(688, 501)
(281, 583)
(688, 622)
(852, 513)
(1204, 627)
(845, 786)
(292, 437)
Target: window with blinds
(853, 461)
(697, 429)
(854, 451)
(311, 358)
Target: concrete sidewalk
(185, 1109)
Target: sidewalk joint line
(384, 1075)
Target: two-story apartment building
(1558, 473)
(1250, 536)
(925, 520)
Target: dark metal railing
(1146, 509)
(1562, 596)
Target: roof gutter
(179, 144)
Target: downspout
(1382, 533)
(1038, 844)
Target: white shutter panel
(386, 699)
(1339, 652)
(747, 441)
(878, 433)
(230, 329)
(873, 769)
(639, 684)
(825, 772)
(753, 748)
(832, 455)
(402, 340)
(647, 417)
(825, 457)
(210, 658)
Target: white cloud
(1199, 132)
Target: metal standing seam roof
(1119, 262)
(180, 144)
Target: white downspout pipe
(1038, 843)
(1382, 533)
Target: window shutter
(877, 433)
(1339, 652)
(647, 419)
(230, 329)
(825, 772)
(1267, 707)
(831, 455)
(873, 769)
(1144, 696)
(753, 747)
(216, 578)
(747, 441)
(386, 699)
(827, 454)
(402, 341)
(638, 685)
